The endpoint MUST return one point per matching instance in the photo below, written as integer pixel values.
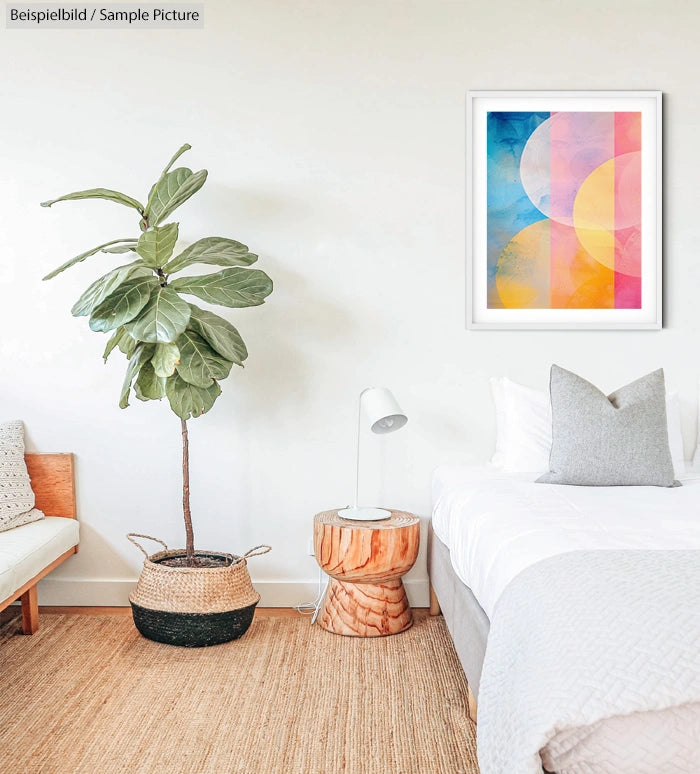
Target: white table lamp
(384, 415)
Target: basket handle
(131, 535)
(257, 551)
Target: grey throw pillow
(618, 440)
(16, 495)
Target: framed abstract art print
(564, 209)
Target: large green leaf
(99, 193)
(188, 400)
(101, 288)
(156, 245)
(123, 304)
(199, 364)
(148, 385)
(120, 338)
(215, 251)
(141, 355)
(165, 358)
(183, 149)
(163, 318)
(127, 343)
(112, 343)
(174, 189)
(236, 287)
(219, 333)
(80, 258)
(129, 247)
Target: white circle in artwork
(560, 154)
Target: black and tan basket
(193, 606)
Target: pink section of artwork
(580, 142)
(628, 133)
(628, 291)
(628, 252)
(628, 190)
(628, 218)
(628, 210)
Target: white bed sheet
(497, 524)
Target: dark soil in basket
(205, 560)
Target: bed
(575, 612)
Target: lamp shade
(381, 409)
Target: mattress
(498, 524)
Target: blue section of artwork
(509, 210)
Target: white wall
(334, 135)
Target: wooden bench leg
(30, 610)
(434, 604)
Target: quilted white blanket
(593, 667)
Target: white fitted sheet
(497, 524)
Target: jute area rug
(88, 695)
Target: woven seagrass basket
(193, 606)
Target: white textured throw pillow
(16, 495)
(524, 428)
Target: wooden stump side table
(366, 560)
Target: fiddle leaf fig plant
(175, 349)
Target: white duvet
(497, 524)
(592, 667)
(592, 663)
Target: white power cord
(312, 608)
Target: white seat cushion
(25, 551)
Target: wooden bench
(54, 487)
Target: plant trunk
(189, 533)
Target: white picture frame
(620, 267)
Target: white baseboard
(64, 592)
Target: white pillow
(16, 495)
(524, 428)
(696, 456)
(675, 433)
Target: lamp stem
(357, 465)
(359, 431)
